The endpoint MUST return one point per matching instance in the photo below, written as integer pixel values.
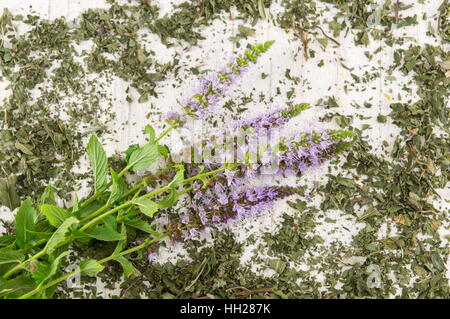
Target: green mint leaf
(179, 176)
(110, 222)
(147, 206)
(141, 225)
(48, 197)
(9, 259)
(104, 234)
(128, 269)
(121, 243)
(170, 200)
(60, 235)
(163, 151)
(151, 132)
(54, 214)
(119, 187)
(44, 271)
(16, 287)
(6, 240)
(90, 267)
(99, 163)
(24, 221)
(142, 158)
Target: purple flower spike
(208, 212)
(211, 88)
(243, 204)
(174, 119)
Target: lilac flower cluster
(273, 119)
(221, 204)
(292, 155)
(248, 131)
(226, 197)
(209, 91)
(299, 153)
(175, 119)
(219, 201)
(213, 87)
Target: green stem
(122, 172)
(199, 176)
(90, 200)
(36, 256)
(131, 250)
(165, 133)
(186, 190)
(155, 192)
(97, 194)
(23, 264)
(96, 213)
(54, 282)
(124, 205)
(112, 211)
(107, 205)
(132, 190)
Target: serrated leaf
(7, 240)
(24, 221)
(141, 225)
(90, 267)
(278, 265)
(142, 158)
(9, 259)
(60, 234)
(104, 234)
(170, 200)
(147, 206)
(41, 234)
(23, 148)
(17, 287)
(179, 176)
(47, 197)
(44, 271)
(99, 163)
(119, 187)
(346, 181)
(128, 268)
(437, 261)
(163, 151)
(110, 222)
(54, 214)
(151, 132)
(88, 209)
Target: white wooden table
(316, 83)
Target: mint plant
(32, 261)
